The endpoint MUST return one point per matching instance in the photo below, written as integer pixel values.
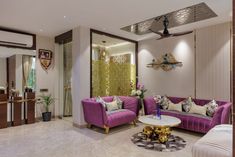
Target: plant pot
(2, 91)
(46, 116)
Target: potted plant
(46, 100)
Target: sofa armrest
(216, 120)
(94, 113)
(226, 113)
(130, 103)
(149, 105)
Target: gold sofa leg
(89, 126)
(134, 123)
(106, 129)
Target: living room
(178, 53)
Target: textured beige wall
(49, 79)
(213, 62)
(210, 78)
(80, 71)
(178, 82)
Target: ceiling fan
(166, 33)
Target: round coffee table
(159, 129)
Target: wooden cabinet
(3, 110)
(30, 107)
(17, 111)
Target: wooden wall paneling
(30, 108)
(17, 111)
(3, 110)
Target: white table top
(165, 121)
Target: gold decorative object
(113, 76)
(167, 62)
(159, 133)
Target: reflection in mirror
(113, 65)
(17, 68)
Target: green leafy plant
(47, 100)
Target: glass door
(67, 79)
(65, 69)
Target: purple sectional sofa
(193, 122)
(96, 114)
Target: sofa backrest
(200, 102)
(130, 103)
(150, 106)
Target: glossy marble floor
(59, 138)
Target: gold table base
(157, 133)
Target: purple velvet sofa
(95, 113)
(193, 122)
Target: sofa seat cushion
(216, 143)
(119, 117)
(191, 121)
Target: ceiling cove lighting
(111, 46)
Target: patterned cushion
(187, 104)
(100, 100)
(112, 106)
(211, 108)
(164, 102)
(119, 101)
(157, 98)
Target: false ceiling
(53, 17)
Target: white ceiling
(52, 17)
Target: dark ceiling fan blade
(159, 33)
(165, 36)
(162, 37)
(181, 33)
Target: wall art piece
(45, 57)
(166, 62)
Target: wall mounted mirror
(18, 69)
(113, 64)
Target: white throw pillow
(198, 109)
(175, 107)
(111, 106)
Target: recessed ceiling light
(64, 17)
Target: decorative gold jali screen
(113, 76)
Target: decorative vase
(2, 91)
(158, 114)
(141, 111)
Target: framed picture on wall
(45, 57)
